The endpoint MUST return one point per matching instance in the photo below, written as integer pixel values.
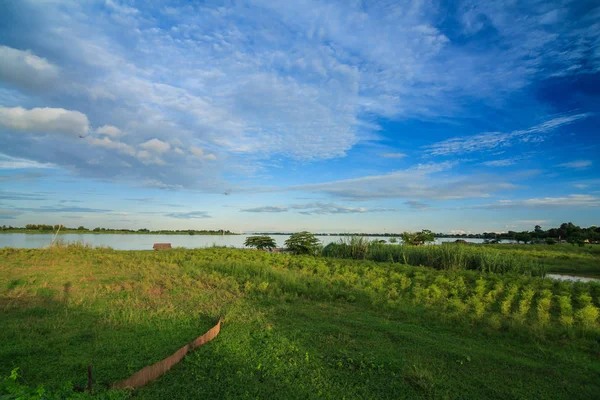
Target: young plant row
(500, 301)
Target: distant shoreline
(77, 232)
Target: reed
(444, 257)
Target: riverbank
(294, 326)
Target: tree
(393, 240)
(303, 243)
(418, 238)
(260, 242)
(523, 237)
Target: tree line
(566, 232)
(45, 228)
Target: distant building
(162, 246)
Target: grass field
(524, 259)
(294, 327)
(559, 258)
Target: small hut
(162, 246)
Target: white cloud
(189, 215)
(149, 158)
(199, 153)
(8, 162)
(433, 181)
(418, 182)
(25, 69)
(500, 163)
(109, 130)
(318, 208)
(309, 85)
(573, 200)
(581, 186)
(156, 145)
(533, 221)
(161, 185)
(44, 120)
(107, 143)
(579, 164)
(491, 140)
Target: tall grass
(444, 257)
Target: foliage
(260, 242)
(303, 243)
(37, 228)
(295, 326)
(448, 256)
(11, 387)
(418, 238)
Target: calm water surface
(145, 242)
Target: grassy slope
(63, 309)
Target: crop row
(501, 301)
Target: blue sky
(365, 116)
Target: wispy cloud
(6, 214)
(8, 162)
(62, 209)
(492, 140)
(418, 205)
(579, 164)
(572, 201)
(266, 209)
(188, 215)
(500, 163)
(422, 181)
(21, 196)
(393, 155)
(308, 86)
(318, 208)
(533, 221)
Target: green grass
(525, 259)
(558, 258)
(294, 327)
(448, 256)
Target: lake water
(145, 242)
(572, 278)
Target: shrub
(524, 304)
(566, 310)
(260, 242)
(303, 243)
(543, 307)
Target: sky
(328, 116)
